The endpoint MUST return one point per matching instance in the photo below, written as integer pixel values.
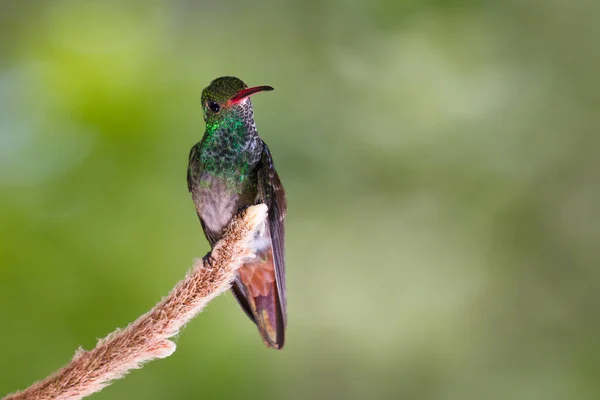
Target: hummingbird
(232, 168)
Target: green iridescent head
(227, 94)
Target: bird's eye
(214, 107)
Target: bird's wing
(194, 166)
(271, 192)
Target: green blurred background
(441, 160)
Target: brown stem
(147, 338)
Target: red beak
(248, 92)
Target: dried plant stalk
(148, 337)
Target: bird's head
(228, 96)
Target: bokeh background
(441, 160)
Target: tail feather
(257, 293)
